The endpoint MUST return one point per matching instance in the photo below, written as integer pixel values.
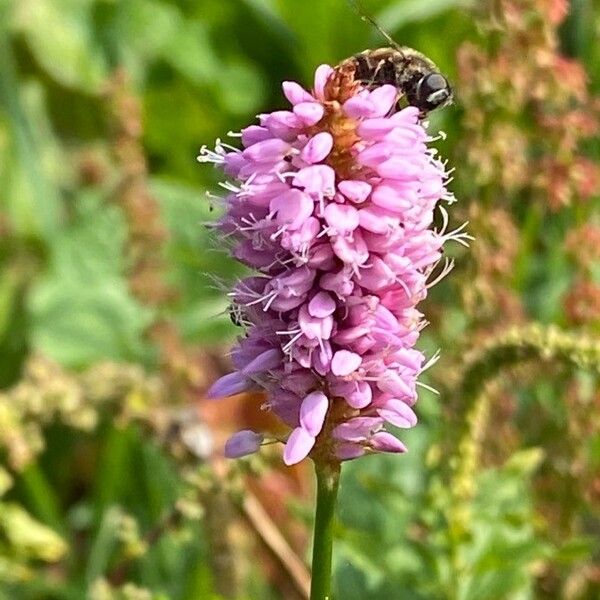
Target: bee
(414, 75)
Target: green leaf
(82, 310)
(60, 35)
(401, 14)
(104, 544)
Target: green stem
(328, 477)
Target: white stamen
(427, 387)
(448, 266)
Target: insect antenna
(368, 19)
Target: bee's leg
(371, 81)
(376, 72)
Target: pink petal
(282, 123)
(321, 360)
(297, 239)
(399, 168)
(322, 257)
(360, 396)
(349, 451)
(377, 276)
(316, 179)
(399, 386)
(360, 106)
(357, 429)
(267, 150)
(298, 445)
(374, 155)
(322, 305)
(309, 112)
(410, 114)
(315, 328)
(384, 98)
(344, 362)
(351, 251)
(355, 191)
(383, 441)
(317, 148)
(313, 411)
(377, 220)
(394, 195)
(398, 413)
(408, 357)
(243, 443)
(270, 359)
(292, 208)
(375, 129)
(229, 385)
(295, 93)
(340, 283)
(322, 75)
(341, 217)
(253, 134)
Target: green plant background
(83, 474)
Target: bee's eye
(434, 82)
(433, 90)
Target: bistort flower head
(332, 207)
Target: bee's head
(432, 91)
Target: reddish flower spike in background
(333, 208)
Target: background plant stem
(328, 477)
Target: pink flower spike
(317, 148)
(322, 305)
(331, 204)
(298, 446)
(313, 411)
(382, 441)
(295, 93)
(344, 362)
(243, 443)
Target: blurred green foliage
(499, 497)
